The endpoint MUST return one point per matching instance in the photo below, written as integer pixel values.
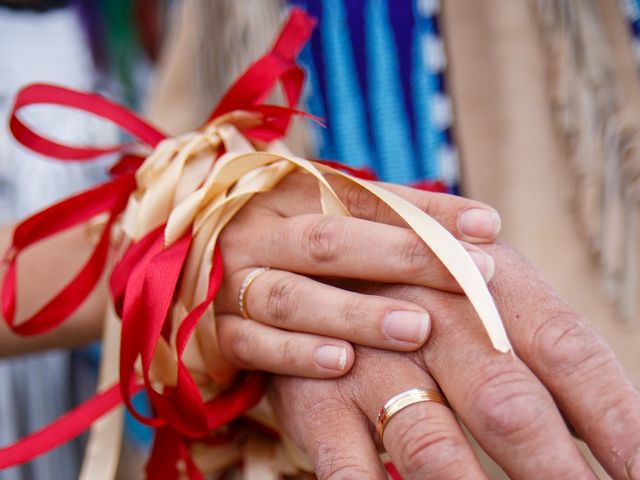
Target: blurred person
(617, 379)
(45, 41)
(41, 41)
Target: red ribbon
(144, 282)
(392, 471)
(110, 198)
(63, 429)
(43, 94)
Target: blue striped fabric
(345, 103)
(631, 10)
(376, 73)
(391, 139)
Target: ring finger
(502, 403)
(297, 303)
(423, 439)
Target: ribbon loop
(144, 282)
(44, 93)
(171, 208)
(108, 198)
(253, 87)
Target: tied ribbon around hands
(166, 210)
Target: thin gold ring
(402, 401)
(244, 290)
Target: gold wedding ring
(244, 290)
(402, 401)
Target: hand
(512, 406)
(279, 230)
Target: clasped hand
(331, 286)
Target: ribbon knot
(172, 207)
(212, 135)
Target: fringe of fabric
(590, 108)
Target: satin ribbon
(171, 209)
(180, 405)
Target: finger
(501, 402)
(333, 432)
(466, 219)
(424, 440)
(297, 303)
(576, 365)
(355, 248)
(251, 345)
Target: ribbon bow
(171, 205)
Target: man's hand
(511, 405)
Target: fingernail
(331, 356)
(633, 467)
(480, 223)
(485, 263)
(406, 326)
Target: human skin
(280, 229)
(290, 310)
(64, 255)
(515, 406)
(496, 395)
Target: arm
(280, 230)
(63, 255)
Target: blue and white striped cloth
(376, 71)
(631, 11)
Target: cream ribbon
(102, 452)
(183, 185)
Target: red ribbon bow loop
(108, 198)
(144, 282)
(278, 66)
(47, 94)
(111, 198)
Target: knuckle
(342, 467)
(282, 300)
(353, 313)
(359, 200)
(426, 202)
(509, 405)
(566, 344)
(229, 237)
(440, 206)
(415, 255)
(433, 452)
(321, 240)
(290, 352)
(242, 344)
(320, 408)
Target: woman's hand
(300, 325)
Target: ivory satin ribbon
(183, 185)
(102, 453)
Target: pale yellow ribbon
(183, 185)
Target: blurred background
(532, 106)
